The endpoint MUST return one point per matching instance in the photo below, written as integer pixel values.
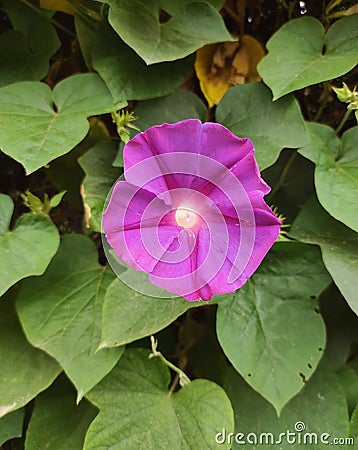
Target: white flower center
(185, 217)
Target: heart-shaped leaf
(339, 245)
(127, 75)
(19, 62)
(354, 424)
(26, 49)
(137, 411)
(248, 111)
(336, 173)
(61, 312)
(174, 6)
(300, 54)
(37, 125)
(11, 425)
(28, 248)
(178, 106)
(300, 425)
(349, 380)
(129, 315)
(269, 328)
(191, 26)
(25, 370)
(57, 423)
(173, 108)
(99, 178)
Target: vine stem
(343, 121)
(53, 21)
(86, 18)
(283, 174)
(325, 99)
(181, 376)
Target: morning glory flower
(191, 210)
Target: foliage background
(74, 340)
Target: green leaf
(349, 381)
(217, 4)
(339, 246)
(87, 29)
(126, 74)
(65, 173)
(354, 424)
(297, 57)
(190, 27)
(25, 370)
(248, 111)
(25, 51)
(61, 312)
(37, 125)
(341, 327)
(179, 105)
(336, 173)
(57, 423)
(320, 407)
(129, 315)
(269, 329)
(174, 7)
(11, 425)
(99, 178)
(198, 336)
(22, 15)
(19, 62)
(28, 248)
(56, 199)
(137, 411)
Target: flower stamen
(185, 217)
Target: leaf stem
(85, 16)
(289, 7)
(343, 121)
(325, 99)
(183, 378)
(283, 175)
(53, 21)
(333, 4)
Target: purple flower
(191, 212)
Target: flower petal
(184, 279)
(185, 154)
(131, 224)
(222, 260)
(161, 174)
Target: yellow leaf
(220, 66)
(61, 5)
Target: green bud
(34, 204)
(39, 207)
(123, 121)
(344, 94)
